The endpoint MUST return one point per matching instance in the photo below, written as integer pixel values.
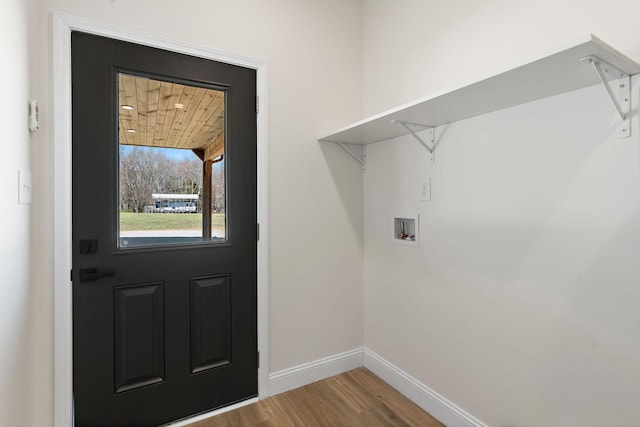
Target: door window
(172, 187)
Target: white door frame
(63, 25)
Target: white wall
(520, 306)
(413, 48)
(15, 305)
(315, 196)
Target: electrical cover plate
(424, 190)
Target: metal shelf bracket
(414, 128)
(621, 100)
(362, 159)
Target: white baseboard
(438, 406)
(307, 373)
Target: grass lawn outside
(131, 221)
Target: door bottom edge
(212, 413)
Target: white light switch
(24, 187)
(424, 192)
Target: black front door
(164, 234)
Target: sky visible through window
(172, 153)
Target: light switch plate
(424, 191)
(24, 187)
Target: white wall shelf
(560, 72)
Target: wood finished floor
(355, 398)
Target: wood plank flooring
(355, 398)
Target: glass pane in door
(172, 187)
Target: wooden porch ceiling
(155, 113)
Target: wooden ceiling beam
(215, 149)
(199, 153)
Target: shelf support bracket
(621, 101)
(360, 159)
(410, 127)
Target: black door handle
(92, 274)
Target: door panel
(139, 336)
(167, 330)
(210, 323)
